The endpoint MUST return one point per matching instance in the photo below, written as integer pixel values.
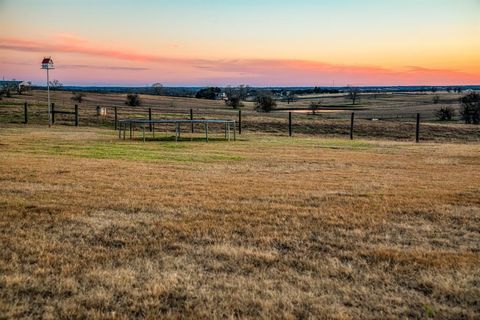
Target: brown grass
(331, 124)
(267, 227)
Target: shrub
(471, 108)
(265, 103)
(445, 114)
(436, 99)
(208, 93)
(133, 100)
(234, 102)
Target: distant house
(15, 85)
(222, 96)
(25, 86)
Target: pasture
(396, 112)
(312, 226)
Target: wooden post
(76, 115)
(352, 121)
(25, 112)
(239, 121)
(116, 117)
(290, 124)
(206, 131)
(417, 131)
(191, 118)
(53, 113)
(234, 131)
(150, 118)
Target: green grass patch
(136, 151)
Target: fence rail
(355, 124)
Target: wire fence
(406, 126)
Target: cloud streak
(88, 66)
(252, 71)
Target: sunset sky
(231, 42)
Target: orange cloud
(253, 71)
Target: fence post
(76, 115)
(25, 111)
(191, 118)
(150, 118)
(53, 113)
(417, 131)
(116, 117)
(239, 121)
(290, 124)
(351, 125)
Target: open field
(379, 105)
(396, 112)
(266, 227)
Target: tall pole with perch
(47, 64)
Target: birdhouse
(47, 63)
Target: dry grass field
(266, 227)
(397, 112)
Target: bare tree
(243, 92)
(353, 94)
(78, 97)
(314, 106)
(291, 97)
(55, 85)
(157, 89)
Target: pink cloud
(225, 71)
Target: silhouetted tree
(78, 97)
(353, 94)
(157, 89)
(55, 85)
(243, 92)
(133, 100)
(234, 102)
(471, 108)
(210, 93)
(445, 114)
(291, 96)
(314, 106)
(265, 102)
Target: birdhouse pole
(47, 64)
(48, 95)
